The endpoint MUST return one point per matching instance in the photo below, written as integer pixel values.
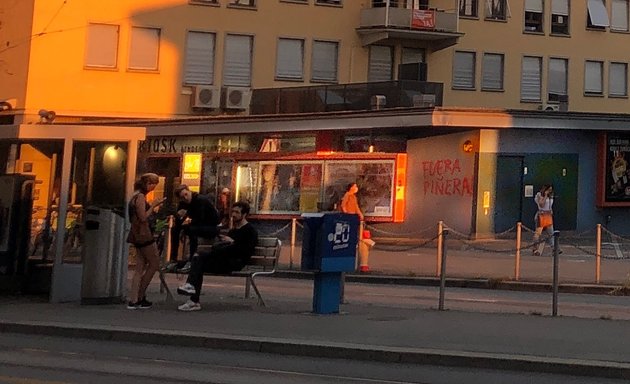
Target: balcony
(346, 97)
(437, 28)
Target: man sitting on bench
(232, 253)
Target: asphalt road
(50, 360)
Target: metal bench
(263, 262)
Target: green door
(509, 185)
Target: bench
(263, 262)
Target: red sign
(422, 18)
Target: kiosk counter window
(295, 187)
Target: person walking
(141, 237)
(232, 253)
(349, 202)
(544, 218)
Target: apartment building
(441, 109)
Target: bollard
(292, 249)
(556, 248)
(365, 243)
(598, 253)
(442, 270)
(438, 263)
(517, 259)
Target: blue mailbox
(329, 248)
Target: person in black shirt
(197, 217)
(232, 253)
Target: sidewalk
(364, 332)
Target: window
(593, 75)
(468, 8)
(324, 66)
(412, 55)
(619, 15)
(534, 15)
(237, 68)
(618, 79)
(199, 67)
(560, 17)
(557, 79)
(243, 3)
(531, 78)
(334, 2)
(102, 46)
(492, 71)
(464, 70)
(380, 67)
(144, 48)
(496, 9)
(290, 59)
(597, 15)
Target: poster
(617, 181)
(288, 187)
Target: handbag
(545, 219)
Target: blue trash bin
(328, 249)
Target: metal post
(556, 248)
(438, 265)
(292, 250)
(517, 261)
(598, 254)
(443, 272)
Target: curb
(479, 360)
(508, 285)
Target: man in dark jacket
(232, 253)
(197, 217)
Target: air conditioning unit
(423, 100)
(237, 97)
(550, 107)
(378, 101)
(206, 97)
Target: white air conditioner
(204, 96)
(550, 107)
(423, 100)
(237, 97)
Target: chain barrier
(275, 233)
(399, 234)
(383, 247)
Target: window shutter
(324, 61)
(144, 48)
(560, 7)
(199, 58)
(102, 46)
(237, 70)
(618, 79)
(381, 62)
(619, 15)
(557, 76)
(464, 70)
(492, 67)
(598, 13)
(534, 6)
(412, 55)
(531, 79)
(593, 77)
(290, 60)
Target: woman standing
(349, 202)
(544, 217)
(141, 236)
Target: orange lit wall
(401, 186)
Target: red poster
(422, 18)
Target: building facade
(441, 109)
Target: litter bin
(104, 264)
(329, 247)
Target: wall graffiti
(445, 178)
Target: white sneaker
(190, 306)
(186, 290)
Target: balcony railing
(346, 97)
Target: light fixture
(46, 116)
(467, 146)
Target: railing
(393, 17)
(346, 97)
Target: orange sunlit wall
(401, 184)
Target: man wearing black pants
(196, 217)
(231, 254)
